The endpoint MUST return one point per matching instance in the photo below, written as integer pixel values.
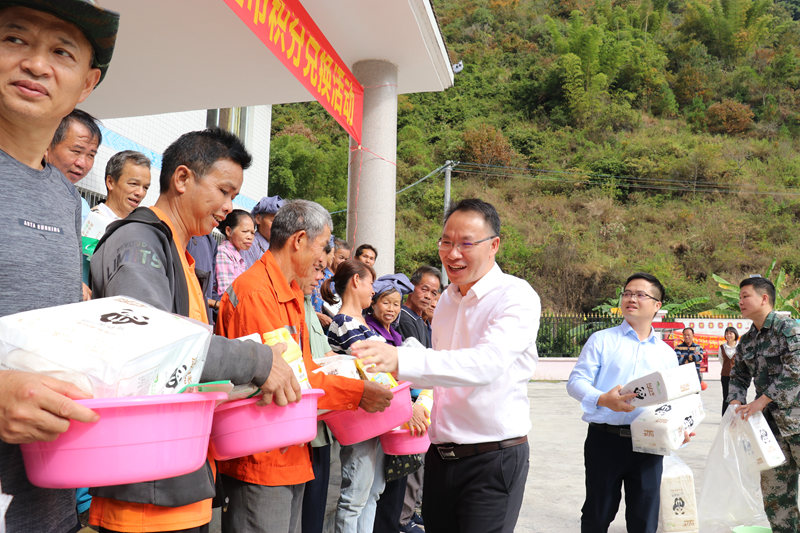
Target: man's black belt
(619, 431)
(450, 451)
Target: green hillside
(612, 136)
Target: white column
(372, 172)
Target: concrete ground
(554, 491)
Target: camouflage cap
(99, 25)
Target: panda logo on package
(663, 409)
(176, 377)
(678, 506)
(124, 316)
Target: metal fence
(92, 198)
(562, 335)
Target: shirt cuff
(589, 402)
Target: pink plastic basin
(139, 438)
(243, 428)
(402, 442)
(350, 427)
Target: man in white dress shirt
(484, 353)
(127, 181)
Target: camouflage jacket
(771, 358)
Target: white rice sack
(110, 347)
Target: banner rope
(361, 149)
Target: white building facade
(151, 134)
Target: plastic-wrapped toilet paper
(663, 385)
(757, 441)
(678, 513)
(660, 429)
(109, 347)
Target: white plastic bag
(5, 501)
(731, 494)
(109, 347)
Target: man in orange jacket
(265, 490)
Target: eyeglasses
(639, 295)
(465, 246)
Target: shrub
(487, 145)
(729, 117)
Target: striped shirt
(345, 330)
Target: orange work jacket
(259, 301)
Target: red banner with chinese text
(285, 27)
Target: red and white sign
(285, 27)
(710, 332)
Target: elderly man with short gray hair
(265, 490)
(127, 182)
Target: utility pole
(447, 171)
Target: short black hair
(233, 220)
(424, 270)
(484, 209)
(363, 247)
(733, 329)
(662, 294)
(761, 286)
(82, 117)
(690, 328)
(199, 150)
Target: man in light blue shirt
(610, 359)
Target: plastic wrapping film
(731, 493)
(678, 513)
(109, 347)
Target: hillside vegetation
(612, 136)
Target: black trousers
(478, 494)
(390, 507)
(725, 381)
(610, 461)
(316, 491)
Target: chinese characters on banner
(290, 33)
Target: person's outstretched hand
(34, 407)
(281, 386)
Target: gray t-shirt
(40, 266)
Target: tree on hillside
(784, 301)
(303, 167)
(729, 28)
(793, 6)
